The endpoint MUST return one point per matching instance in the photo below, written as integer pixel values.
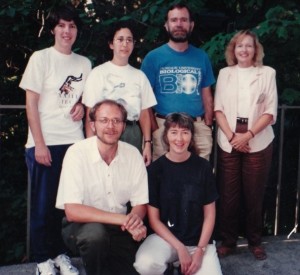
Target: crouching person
(100, 176)
(182, 194)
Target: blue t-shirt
(177, 79)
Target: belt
(132, 122)
(242, 120)
(164, 117)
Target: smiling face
(179, 140)
(65, 33)
(179, 25)
(109, 124)
(122, 46)
(244, 51)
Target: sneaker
(63, 263)
(46, 268)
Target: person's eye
(116, 121)
(103, 120)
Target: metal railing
(282, 114)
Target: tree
(22, 32)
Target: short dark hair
(115, 27)
(180, 6)
(111, 102)
(66, 12)
(182, 120)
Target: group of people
(138, 193)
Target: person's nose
(67, 29)
(179, 137)
(110, 124)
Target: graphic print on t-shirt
(180, 80)
(125, 92)
(69, 94)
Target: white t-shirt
(59, 80)
(125, 84)
(87, 179)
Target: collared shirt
(263, 100)
(87, 179)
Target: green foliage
(22, 32)
(13, 186)
(280, 34)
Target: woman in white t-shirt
(53, 81)
(245, 109)
(118, 80)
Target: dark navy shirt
(180, 190)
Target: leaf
(10, 11)
(153, 9)
(145, 17)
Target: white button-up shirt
(87, 179)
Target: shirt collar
(96, 157)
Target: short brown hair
(182, 120)
(122, 109)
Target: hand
(132, 222)
(184, 258)
(77, 112)
(43, 155)
(240, 142)
(197, 259)
(147, 153)
(139, 233)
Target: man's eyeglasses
(128, 40)
(106, 121)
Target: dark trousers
(45, 219)
(242, 177)
(105, 249)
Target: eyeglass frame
(105, 121)
(128, 40)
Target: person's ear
(192, 25)
(166, 27)
(92, 125)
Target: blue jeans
(45, 220)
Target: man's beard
(179, 38)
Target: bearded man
(181, 76)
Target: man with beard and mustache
(181, 76)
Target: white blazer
(263, 100)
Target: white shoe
(46, 268)
(63, 263)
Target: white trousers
(154, 255)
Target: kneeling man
(101, 175)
